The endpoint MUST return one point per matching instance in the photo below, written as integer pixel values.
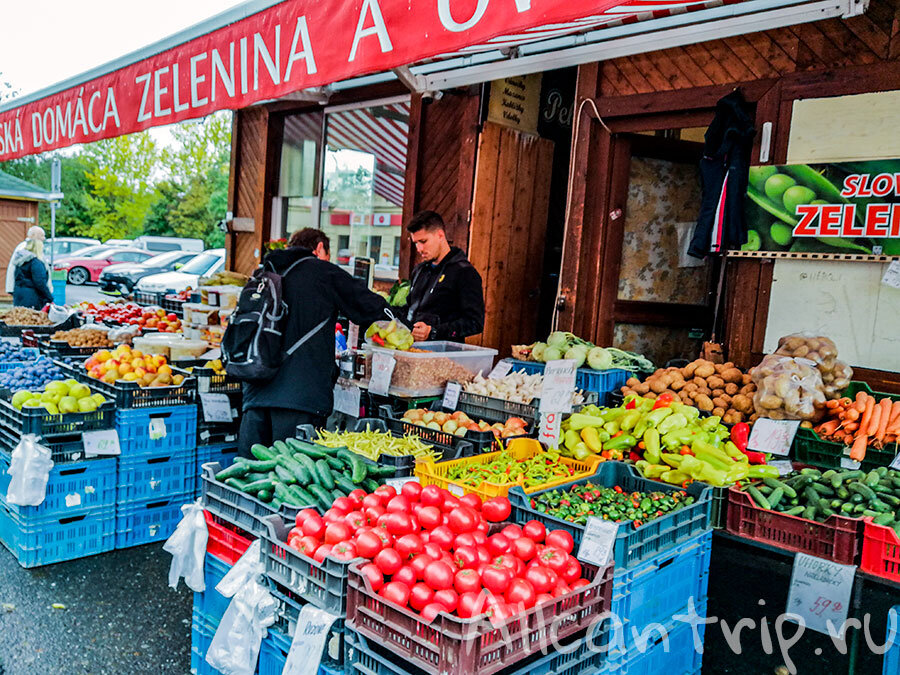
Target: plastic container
(146, 298)
(236, 507)
(218, 383)
(62, 349)
(892, 655)
(178, 422)
(490, 409)
(479, 441)
(71, 488)
(633, 546)
(668, 648)
(223, 454)
(63, 449)
(226, 542)
(51, 539)
(288, 605)
(148, 521)
(880, 551)
(202, 633)
(73, 321)
(808, 448)
(427, 373)
(273, 652)
(586, 379)
(660, 588)
(435, 473)
(451, 645)
(210, 603)
(143, 477)
(837, 539)
(129, 395)
(718, 515)
(39, 421)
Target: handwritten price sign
(820, 592)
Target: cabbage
(577, 354)
(599, 359)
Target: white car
(203, 265)
(61, 246)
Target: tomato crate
(585, 653)
(71, 488)
(660, 588)
(323, 584)
(587, 379)
(837, 539)
(633, 546)
(451, 645)
(210, 603)
(139, 430)
(452, 446)
(808, 448)
(666, 648)
(226, 541)
(154, 476)
(288, 604)
(880, 551)
(490, 409)
(435, 473)
(131, 395)
(56, 538)
(148, 521)
(236, 507)
(40, 422)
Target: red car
(84, 268)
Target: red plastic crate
(880, 551)
(451, 645)
(837, 539)
(226, 541)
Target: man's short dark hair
(425, 220)
(310, 238)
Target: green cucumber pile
(814, 495)
(297, 473)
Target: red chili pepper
(565, 502)
(664, 400)
(686, 483)
(378, 340)
(631, 405)
(637, 523)
(634, 457)
(685, 450)
(755, 457)
(740, 434)
(617, 434)
(618, 488)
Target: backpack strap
(315, 329)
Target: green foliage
(72, 217)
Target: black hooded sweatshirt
(314, 290)
(447, 296)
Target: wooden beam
(661, 314)
(234, 168)
(679, 100)
(465, 181)
(411, 184)
(842, 81)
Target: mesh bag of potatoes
(788, 389)
(823, 352)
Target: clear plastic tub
(426, 373)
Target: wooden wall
(247, 194)
(12, 229)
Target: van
(161, 244)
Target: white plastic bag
(57, 314)
(246, 569)
(30, 470)
(234, 649)
(188, 548)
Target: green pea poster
(851, 207)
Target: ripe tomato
(307, 545)
(561, 588)
(579, 584)
(314, 526)
(430, 611)
(484, 556)
(345, 550)
(451, 503)
(368, 544)
(541, 598)
(500, 613)
(496, 578)
(465, 557)
(429, 516)
(471, 604)
(396, 592)
(409, 545)
(371, 500)
(442, 536)
(512, 563)
(432, 495)
(398, 524)
(303, 515)
(419, 563)
(439, 575)
(479, 535)
(511, 532)
(534, 530)
(467, 581)
(560, 539)
(553, 558)
(520, 593)
(497, 544)
(321, 552)
(473, 501)
(355, 520)
(539, 578)
(343, 504)
(386, 538)
(388, 561)
(333, 516)
(572, 571)
(433, 549)
(448, 598)
(357, 496)
(406, 574)
(386, 492)
(464, 539)
(336, 532)
(398, 504)
(523, 548)
(496, 510)
(373, 513)
(419, 596)
(411, 490)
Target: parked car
(58, 247)
(119, 279)
(204, 264)
(161, 244)
(80, 269)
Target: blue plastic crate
(148, 521)
(71, 488)
(134, 429)
(660, 588)
(287, 613)
(41, 541)
(210, 603)
(587, 379)
(157, 476)
(633, 546)
(273, 654)
(892, 655)
(201, 637)
(671, 650)
(223, 453)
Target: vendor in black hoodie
(445, 301)
(303, 390)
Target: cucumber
(259, 464)
(284, 475)
(298, 470)
(323, 471)
(775, 497)
(264, 495)
(257, 475)
(335, 463)
(809, 512)
(344, 483)
(775, 483)
(758, 498)
(358, 468)
(262, 452)
(823, 489)
(883, 518)
(259, 485)
(281, 448)
(324, 498)
(795, 511)
(302, 497)
(381, 471)
(370, 485)
(236, 484)
(309, 465)
(287, 495)
(338, 493)
(863, 490)
(236, 470)
(308, 449)
(872, 478)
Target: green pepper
(672, 422)
(651, 446)
(579, 421)
(620, 442)
(591, 440)
(629, 420)
(675, 439)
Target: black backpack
(253, 345)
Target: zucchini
(323, 471)
(236, 470)
(284, 475)
(344, 483)
(262, 452)
(259, 485)
(358, 468)
(324, 497)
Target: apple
(80, 390)
(19, 398)
(68, 404)
(87, 404)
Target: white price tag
(451, 395)
(203, 384)
(346, 398)
(352, 336)
(455, 490)
(398, 483)
(382, 370)
(305, 655)
(820, 592)
(73, 500)
(558, 386)
(851, 464)
(599, 541)
(549, 428)
(784, 466)
(216, 408)
(774, 436)
(892, 275)
(896, 463)
(157, 428)
(500, 370)
(104, 442)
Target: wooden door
(15, 219)
(508, 231)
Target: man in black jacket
(445, 301)
(303, 390)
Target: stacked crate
(216, 441)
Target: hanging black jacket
(447, 296)
(313, 291)
(723, 172)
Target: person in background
(32, 274)
(446, 300)
(303, 390)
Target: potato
(690, 387)
(678, 384)
(658, 385)
(705, 370)
(732, 417)
(746, 378)
(770, 402)
(748, 389)
(632, 382)
(718, 411)
(731, 389)
(742, 403)
(704, 402)
(688, 370)
(715, 382)
(699, 381)
(704, 390)
(720, 403)
(732, 375)
(753, 418)
(717, 392)
(719, 367)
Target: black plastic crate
(479, 441)
(63, 449)
(73, 321)
(173, 305)
(146, 298)
(39, 421)
(490, 409)
(210, 381)
(62, 349)
(130, 395)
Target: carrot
(831, 404)
(828, 427)
(862, 400)
(852, 426)
(873, 422)
(867, 413)
(858, 450)
(885, 405)
(851, 415)
(895, 414)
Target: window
(129, 256)
(203, 263)
(343, 241)
(298, 181)
(396, 252)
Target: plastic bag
(246, 569)
(188, 548)
(822, 351)
(234, 649)
(57, 314)
(391, 334)
(788, 389)
(30, 469)
(123, 333)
